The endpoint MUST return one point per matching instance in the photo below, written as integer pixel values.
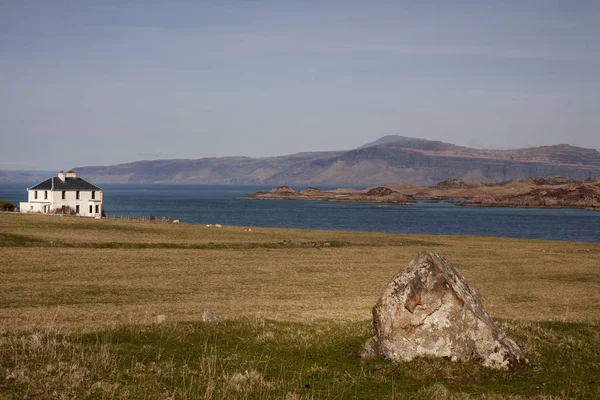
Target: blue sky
(105, 82)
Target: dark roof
(68, 184)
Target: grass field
(79, 300)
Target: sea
(221, 204)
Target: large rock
(430, 310)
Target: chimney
(71, 174)
(61, 175)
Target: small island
(378, 194)
(553, 192)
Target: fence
(150, 218)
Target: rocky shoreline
(555, 192)
(378, 194)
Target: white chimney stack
(61, 175)
(71, 174)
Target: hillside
(426, 162)
(25, 176)
(405, 160)
(386, 139)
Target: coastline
(166, 224)
(200, 204)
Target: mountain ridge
(386, 139)
(407, 160)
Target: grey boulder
(430, 310)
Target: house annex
(64, 193)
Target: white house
(65, 193)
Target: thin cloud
(294, 40)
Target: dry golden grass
(49, 284)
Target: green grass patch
(258, 359)
(576, 277)
(205, 246)
(416, 242)
(67, 295)
(15, 240)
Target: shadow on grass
(17, 240)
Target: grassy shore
(79, 300)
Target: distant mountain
(417, 161)
(234, 170)
(24, 176)
(426, 162)
(386, 139)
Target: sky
(105, 82)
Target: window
(91, 208)
(77, 195)
(97, 209)
(35, 195)
(93, 195)
(64, 194)
(45, 194)
(77, 208)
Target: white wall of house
(89, 203)
(33, 206)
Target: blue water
(210, 204)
